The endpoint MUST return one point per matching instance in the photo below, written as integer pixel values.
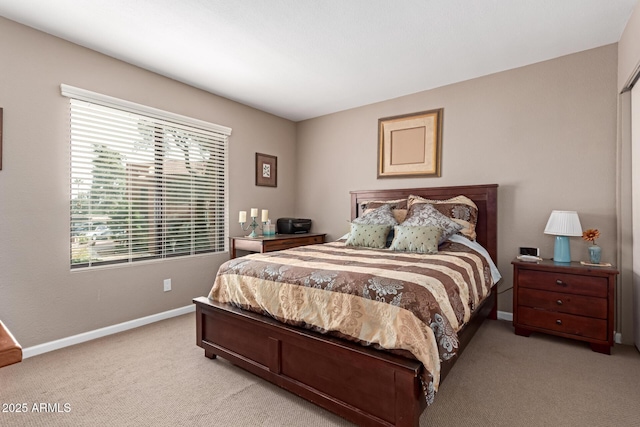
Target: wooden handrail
(10, 349)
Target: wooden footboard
(366, 386)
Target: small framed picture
(266, 170)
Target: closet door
(635, 174)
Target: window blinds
(144, 187)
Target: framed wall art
(266, 170)
(410, 145)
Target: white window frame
(221, 133)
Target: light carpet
(156, 375)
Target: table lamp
(563, 224)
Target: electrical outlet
(167, 285)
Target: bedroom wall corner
(546, 133)
(41, 300)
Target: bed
(361, 383)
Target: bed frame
(366, 386)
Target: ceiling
(300, 59)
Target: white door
(635, 178)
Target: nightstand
(273, 243)
(569, 300)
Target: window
(145, 184)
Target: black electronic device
(293, 225)
(530, 251)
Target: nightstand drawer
(278, 245)
(273, 243)
(566, 299)
(565, 323)
(563, 303)
(564, 282)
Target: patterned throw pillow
(461, 209)
(368, 235)
(421, 239)
(380, 216)
(398, 207)
(424, 214)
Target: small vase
(594, 254)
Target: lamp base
(561, 251)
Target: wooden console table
(273, 243)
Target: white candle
(254, 212)
(243, 216)
(265, 215)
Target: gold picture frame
(410, 145)
(266, 170)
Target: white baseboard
(505, 315)
(102, 332)
(136, 323)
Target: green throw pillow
(421, 239)
(368, 235)
(424, 214)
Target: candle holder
(253, 225)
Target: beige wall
(628, 63)
(546, 133)
(629, 49)
(40, 298)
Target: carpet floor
(501, 380)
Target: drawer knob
(559, 302)
(560, 283)
(559, 322)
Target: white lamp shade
(563, 223)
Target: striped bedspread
(394, 300)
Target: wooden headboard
(484, 196)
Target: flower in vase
(591, 235)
